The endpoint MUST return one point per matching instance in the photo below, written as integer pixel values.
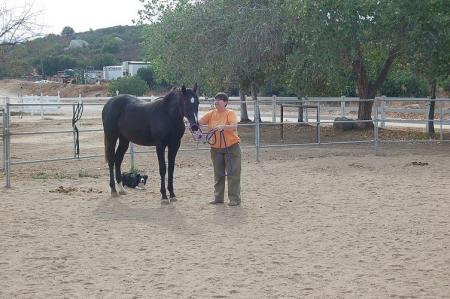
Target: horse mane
(176, 108)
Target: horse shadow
(168, 216)
(113, 209)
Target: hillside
(52, 53)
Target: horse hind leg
(110, 145)
(120, 153)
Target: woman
(225, 150)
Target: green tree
(50, 65)
(111, 46)
(133, 85)
(219, 43)
(360, 38)
(67, 31)
(146, 74)
(403, 82)
(430, 57)
(100, 60)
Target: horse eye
(192, 100)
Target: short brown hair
(221, 96)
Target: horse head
(191, 102)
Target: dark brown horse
(159, 123)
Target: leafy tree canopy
(67, 31)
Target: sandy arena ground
(330, 221)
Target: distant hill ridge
(50, 54)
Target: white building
(112, 72)
(130, 68)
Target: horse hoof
(173, 199)
(121, 192)
(165, 201)
(114, 194)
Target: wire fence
(275, 122)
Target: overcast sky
(83, 15)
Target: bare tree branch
(18, 24)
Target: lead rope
(77, 113)
(211, 135)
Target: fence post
(42, 106)
(382, 108)
(375, 127)
(74, 135)
(441, 127)
(132, 154)
(427, 111)
(257, 124)
(306, 111)
(342, 106)
(6, 146)
(3, 132)
(318, 122)
(274, 108)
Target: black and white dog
(133, 180)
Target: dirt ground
(315, 221)
(14, 88)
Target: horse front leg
(171, 155)
(160, 151)
(112, 184)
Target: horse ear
(195, 87)
(183, 89)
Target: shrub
(133, 85)
(148, 76)
(404, 84)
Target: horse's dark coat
(159, 123)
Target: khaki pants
(228, 159)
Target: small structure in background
(128, 68)
(112, 72)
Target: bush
(446, 84)
(146, 74)
(404, 84)
(133, 85)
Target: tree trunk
(255, 98)
(300, 110)
(244, 114)
(364, 105)
(431, 111)
(366, 89)
(362, 81)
